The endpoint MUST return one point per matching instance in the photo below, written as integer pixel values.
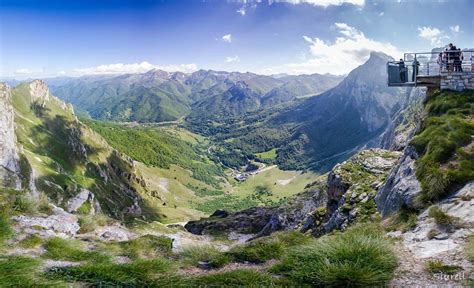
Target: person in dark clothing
(458, 60)
(416, 66)
(402, 69)
(452, 50)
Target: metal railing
(414, 66)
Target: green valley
(187, 180)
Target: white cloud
(62, 72)
(381, 14)
(433, 34)
(349, 50)
(324, 3)
(232, 59)
(242, 11)
(227, 38)
(120, 68)
(455, 29)
(23, 71)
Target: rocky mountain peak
(39, 91)
(157, 74)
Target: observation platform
(451, 70)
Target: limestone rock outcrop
(39, 92)
(401, 186)
(84, 197)
(9, 159)
(351, 189)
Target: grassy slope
(445, 144)
(361, 256)
(156, 147)
(45, 133)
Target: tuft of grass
(192, 255)
(403, 220)
(441, 218)
(432, 233)
(146, 246)
(43, 205)
(141, 273)
(235, 278)
(291, 238)
(31, 241)
(61, 249)
(5, 229)
(85, 208)
(360, 256)
(469, 248)
(102, 220)
(87, 223)
(23, 204)
(19, 271)
(258, 251)
(437, 266)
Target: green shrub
(437, 266)
(137, 274)
(206, 253)
(61, 249)
(258, 251)
(360, 256)
(31, 241)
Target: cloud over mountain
(346, 52)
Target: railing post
(414, 70)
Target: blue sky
(51, 38)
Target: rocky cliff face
(405, 121)
(9, 159)
(64, 159)
(401, 186)
(351, 190)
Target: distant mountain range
(313, 132)
(246, 113)
(157, 95)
